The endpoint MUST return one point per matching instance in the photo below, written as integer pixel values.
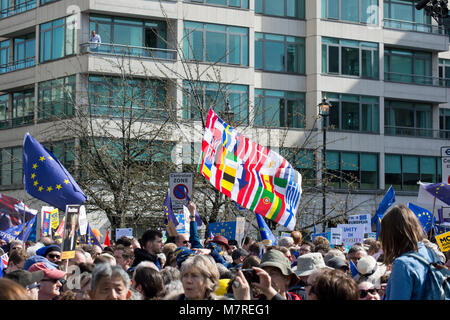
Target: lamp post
(227, 114)
(324, 111)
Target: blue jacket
(408, 275)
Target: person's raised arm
(194, 239)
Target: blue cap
(182, 253)
(44, 250)
(35, 259)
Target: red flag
(107, 242)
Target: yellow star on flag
(40, 188)
(49, 189)
(35, 166)
(36, 183)
(66, 181)
(33, 176)
(58, 186)
(42, 158)
(50, 158)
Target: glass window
(226, 3)
(281, 8)
(56, 98)
(303, 160)
(57, 40)
(11, 172)
(198, 97)
(215, 43)
(4, 111)
(402, 14)
(353, 113)
(361, 11)
(23, 107)
(278, 53)
(350, 57)
(279, 109)
(408, 118)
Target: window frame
(326, 15)
(300, 15)
(43, 28)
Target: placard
(336, 236)
(352, 233)
(70, 232)
(443, 240)
(361, 219)
(124, 232)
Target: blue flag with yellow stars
(20, 232)
(264, 230)
(46, 179)
(425, 217)
(226, 229)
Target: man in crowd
(152, 244)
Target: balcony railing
(17, 65)
(125, 50)
(414, 79)
(416, 132)
(18, 8)
(413, 26)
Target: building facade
(383, 66)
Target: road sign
(180, 185)
(445, 161)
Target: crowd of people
(187, 268)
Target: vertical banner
(54, 218)
(70, 231)
(46, 216)
(240, 229)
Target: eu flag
(425, 217)
(388, 200)
(20, 232)
(92, 239)
(168, 211)
(46, 179)
(226, 229)
(264, 230)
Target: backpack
(437, 284)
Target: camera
(250, 275)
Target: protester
(149, 283)
(369, 271)
(124, 255)
(306, 247)
(29, 280)
(238, 256)
(200, 278)
(182, 240)
(109, 283)
(401, 233)
(333, 285)
(17, 260)
(355, 253)
(368, 291)
(297, 237)
(11, 290)
(152, 244)
(52, 281)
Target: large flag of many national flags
(254, 176)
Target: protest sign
(46, 216)
(361, 219)
(352, 233)
(54, 214)
(82, 220)
(70, 232)
(124, 232)
(180, 185)
(226, 229)
(323, 234)
(443, 240)
(336, 236)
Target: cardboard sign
(443, 240)
(352, 233)
(361, 219)
(70, 232)
(336, 236)
(121, 232)
(180, 185)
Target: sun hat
(49, 271)
(276, 258)
(308, 263)
(25, 278)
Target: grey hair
(286, 242)
(106, 270)
(206, 267)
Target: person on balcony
(95, 41)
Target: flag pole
(432, 220)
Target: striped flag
(254, 176)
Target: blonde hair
(207, 268)
(400, 232)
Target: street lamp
(227, 114)
(324, 111)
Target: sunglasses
(363, 293)
(185, 242)
(62, 281)
(54, 256)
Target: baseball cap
(49, 271)
(221, 240)
(25, 278)
(35, 259)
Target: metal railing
(18, 8)
(414, 79)
(17, 65)
(413, 26)
(416, 132)
(125, 50)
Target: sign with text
(352, 233)
(180, 185)
(443, 240)
(445, 164)
(361, 219)
(336, 236)
(323, 234)
(46, 220)
(124, 232)
(54, 214)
